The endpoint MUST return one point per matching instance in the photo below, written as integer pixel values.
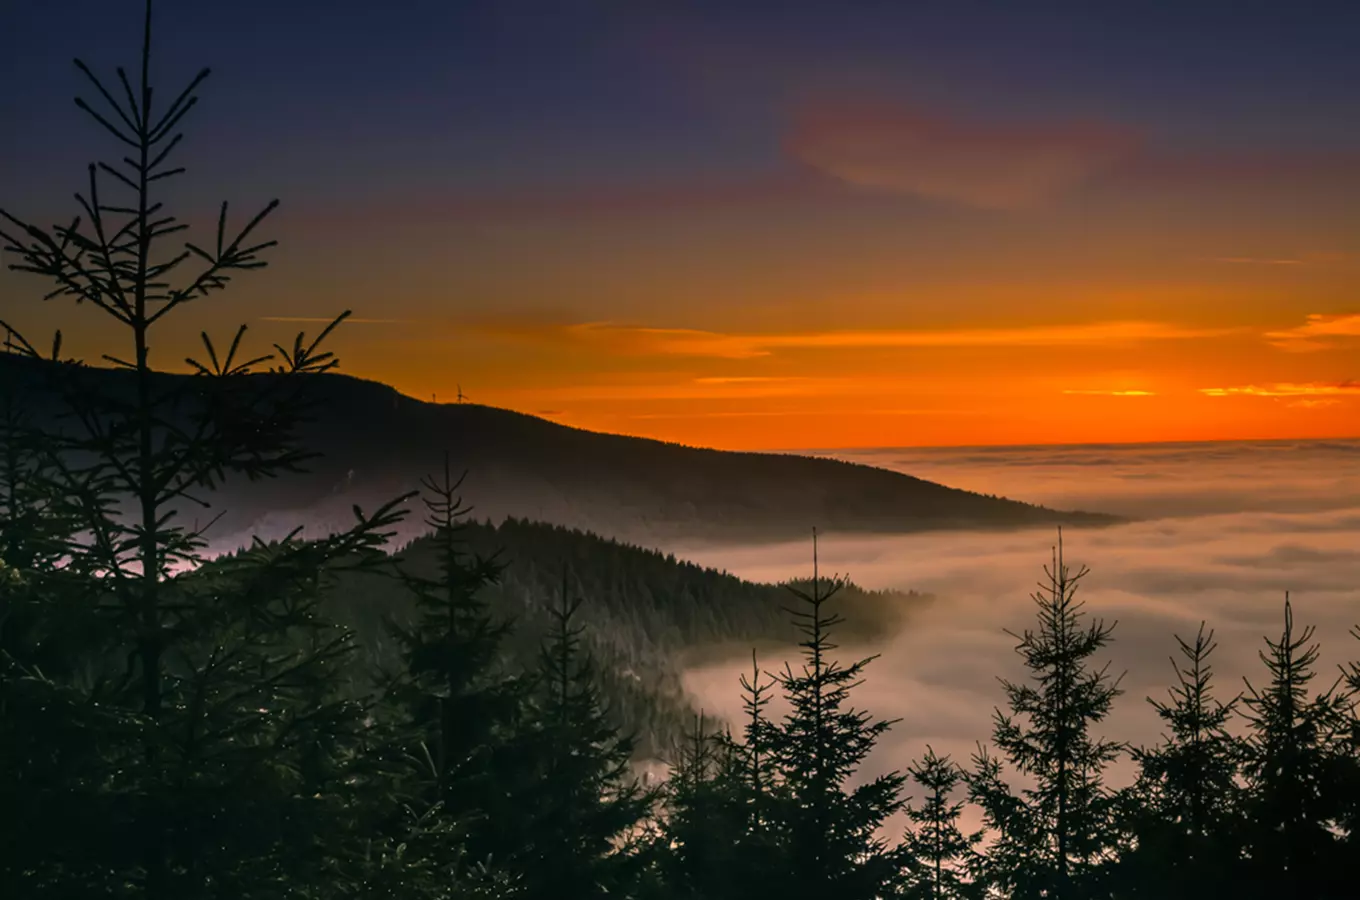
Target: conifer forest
(462, 714)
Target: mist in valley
(1242, 525)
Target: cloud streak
(1318, 332)
(1257, 261)
(797, 413)
(1098, 393)
(646, 341)
(718, 388)
(1337, 389)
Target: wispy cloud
(1099, 393)
(1318, 332)
(1293, 259)
(1314, 389)
(746, 379)
(730, 388)
(986, 165)
(1256, 261)
(796, 413)
(648, 341)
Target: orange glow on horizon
(1102, 382)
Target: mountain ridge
(377, 443)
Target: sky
(755, 226)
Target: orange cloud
(982, 165)
(715, 388)
(697, 343)
(799, 413)
(1318, 332)
(1115, 393)
(1343, 388)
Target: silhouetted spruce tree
(938, 856)
(1351, 786)
(1185, 809)
(1054, 839)
(830, 833)
(1295, 767)
(702, 827)
(207, 677)
(760, 789)
(718, 837)
(462, 713)
(589, 814)
(757, 757)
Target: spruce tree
(718, 838)
(938, 855)
(758, 759)
(1351, 769)
(760, 790)
(1054, 839)
(830, 832)
(210, 680)
(588, 817)
(1295, 766)
(461, 714)
(702, 829)
(1185, 809)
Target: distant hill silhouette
(377, 443)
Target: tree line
(174, 726)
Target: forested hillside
(648, 614)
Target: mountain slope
(647, 615)
(377, 443)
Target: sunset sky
(762, 225)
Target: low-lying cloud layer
(1245, 524)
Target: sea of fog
(1222, 532)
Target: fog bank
(1244, 524)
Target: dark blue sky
(468, 92)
